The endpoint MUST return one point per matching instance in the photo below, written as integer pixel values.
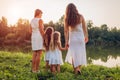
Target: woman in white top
(76, 36)
(37, 30)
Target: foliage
(103, 36)
(19, 33)
(15, 34)
(17, 66)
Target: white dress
(77, 50)
(56, 57)
(36, 38)
(47, 55)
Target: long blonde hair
(55, 40)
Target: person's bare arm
(41, 26)
(30, 30)
(66, 34)
(85, 29)
(61, 48)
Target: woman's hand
(67, 45)
(86, 39)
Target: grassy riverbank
(17, 66)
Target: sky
(99, 11)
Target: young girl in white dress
(47, 39)
(56, 55)
(75, 37)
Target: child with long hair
(56, 56)
(47, 40)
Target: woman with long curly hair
(76, 36)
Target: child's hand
(66, 48)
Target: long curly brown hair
(47, 37)
(72, 17)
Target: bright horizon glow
(100, 12)
(14, 14)
(111, 62)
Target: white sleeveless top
(36, 38)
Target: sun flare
(14, 13)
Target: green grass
(17, 66)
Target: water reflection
(109, 57)
(111, 62)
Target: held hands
(66, 46)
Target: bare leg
(38, 59)
(53, 69)
(58, 67)
(73, 65)
(47, 65)
(77, 70)
(80, 67)
(33, 61)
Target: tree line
(18, 34)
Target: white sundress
(77, 50)
(36, 38)
(56, 57)
(47, 55)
